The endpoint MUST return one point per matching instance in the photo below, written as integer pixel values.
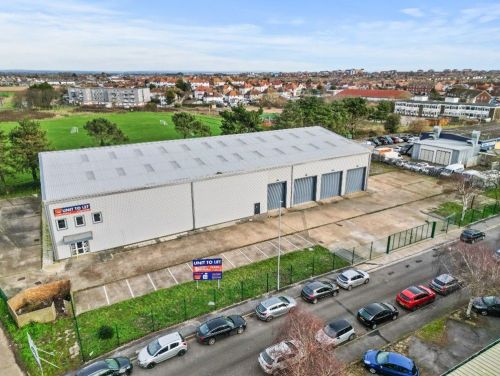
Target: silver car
(352, 278)
(275, 306)
(335, 333)
(281, 356)
(161, 349)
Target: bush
(105, 332)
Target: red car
(415, 296)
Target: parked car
(352, 278)
(471, 235)
(413, 139)
(389, 363)
(487, 305)
(335, 333)
(405, 137)
(281, 356)
(315, 290)
(383, 140)
(389, 140)
(455, 168)
(161, 349)
(375, 141)
(273, 307)
(496, 255)
(219, 327)
(415, 297)
(376, 313)
(445, 284)
(404, 150)
(396, 139)
(111, 366)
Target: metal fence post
(484, 208)
(267, 282)
(117, 335)
(152, 320)
(433, 229)
(472, 215)
(241, 289)
(185, 308)
(371, 249)
(291, 273)
(333, 261)
(215, 295)
(388, 244)
(352, 259)
(77, 330)
(313, 266)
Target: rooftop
(101, 170)
(445, 143)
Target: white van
(452, 169)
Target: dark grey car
(445, 284)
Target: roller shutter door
(304, 190)
(331, 184)
(443, 157)
(276, 195)
(355, 180)
(426, 155)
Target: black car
(109, 367)
(405, 149)
(382, 140)
(315, 290)
(222, 326)
(471, 235)
(445, 284)
(487, 305)
(377, 313)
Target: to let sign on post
(207, 269)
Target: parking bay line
(130, 288)
(261, 251)
(189, 266)
(223, 255)
(150, 280)
(248, 258)
(106, 293)
(293, 245)
(307, 241)
(175, 279)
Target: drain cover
(418, 261)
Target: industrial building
(101, 198)
(109, 96)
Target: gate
(355, 180)
(304, 190)
(276, 195)
(331, 184)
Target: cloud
(292, 22)
(413, 12)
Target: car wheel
(374, 326)
(484, 313)
(128, 372)
(473, 241)
(181, 353)
(413, 309)
(372, 370)
(151, 365)
(314, 301)
(335, 293)
(367, 280)
(269, 318)
(211, 341)
(349, 287)
(240, 330)
(351, 337)
(394, 317)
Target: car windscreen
(261, 308)
(382, 357)
(489, 300)
(342, 277)
(308, 290)
(438, 282)
(153, 348)
(112, 363)
(365, 314)
(404, 297)
(329, 331)
(231, 322)
(284, 300)
(266, 357)
(204, 329)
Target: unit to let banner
(71, 209)
(207, 269)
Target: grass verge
(138, 317)
(433, 332)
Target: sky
(243, 35)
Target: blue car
(389, 363)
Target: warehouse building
(101, 198)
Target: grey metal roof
(485, 363)
(94, 171)
(444, 143)
(489, 105)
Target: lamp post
(279, 246)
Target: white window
(97, 217)
(79, 221)
(79, 248)
(61, 224)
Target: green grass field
(137, 126)
(6, 100)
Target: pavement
(8, 365)
(389, 274)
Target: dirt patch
(12, 115)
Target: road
(237, 355)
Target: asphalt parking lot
(128, 288)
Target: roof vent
(222, 158)
(314, 146)
(330, 143)
(112, 155)
(297, 148)
(207, 145)
(309, 133)
(90, 175)
(277, 137)
(175, 164)
(221, 143)
(138, 152)
(149, 168)
(163, 150)
(85, 157)
(200, 162)
(258, 153)
(293, 135)
(120, 171)
(242, 142)
(261, 139)
(238, 156)
(185, 147)
(279, 151)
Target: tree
(357, 110)
(418, 126)
(105, 132)
(473, 265)
(392, 123)
(382, 110)
(187, 125)
(466, 189)
(302, 326)
(170, 96)
(40, 95)
(6, 164)
(239, 120)
(182, 85)
(27, 140)
(435, 96)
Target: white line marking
(175, 279)
(189, 266)
(293, 245)
(248, 258)
(274, 245)
(307, 241)
(261, 251)
(234, 266)
(150, 280)
(106, 293)
(130, 289)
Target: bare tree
(474, 265)
(467, 191)
(302, 326)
